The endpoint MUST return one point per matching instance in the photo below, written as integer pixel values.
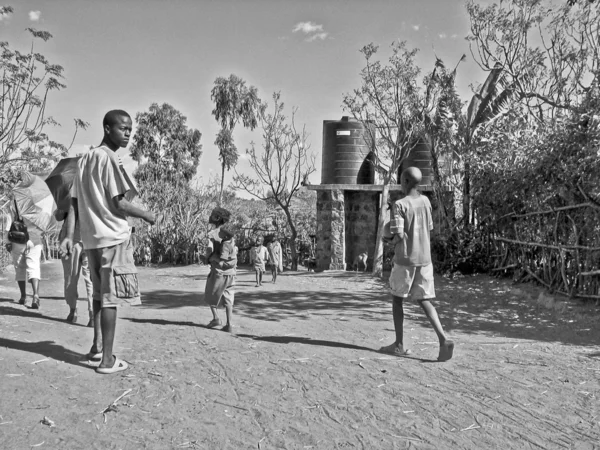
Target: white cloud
(313, 31)
(454, 36)
(34, 16)
(307, 27)
(4, 16)
(442, 35)
(416, 27)
(314, 37)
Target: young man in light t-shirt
(99, 204)
(412, 273)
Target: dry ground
(303, 372)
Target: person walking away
(26, 258)
(73, 266)
(275, 258)
(258, 257)
(98, 202)
(412, 272)
(222, 257)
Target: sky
(128, 54)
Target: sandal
(118, 366)
(36, 303)
(214, 323)
(72, 317)
(393, 349)
(228, 329)
(94, 356)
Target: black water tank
(346, 145)
(420, 157)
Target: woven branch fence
(559, 248)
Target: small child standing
(412, 272)
(222, 257)
(258, 257)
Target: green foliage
(391, 105)
(164, 146)
(281, 166)
(234, 102)
(27, 79)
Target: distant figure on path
(73, 266)
(222, 257)
(275, 258)
(26, 259)
(258, 257)
(98, 203)
(412, 272)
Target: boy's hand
(149, 217)
(8, 247)
(65, 247)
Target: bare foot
(394, 349)
(446, 351)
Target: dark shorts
(114, 275)
(220, 289)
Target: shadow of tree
(478, 305)
(49, 349)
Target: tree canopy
(163, 145)
(28, 79)
(234, 103)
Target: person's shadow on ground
(26, 311)
(48, 349)
(322, 343)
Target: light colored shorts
(220, 289)
(417, 281)
(114, 275)
(26, 259)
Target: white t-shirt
(98, 181)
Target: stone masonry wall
(330, 243)
(361, 225)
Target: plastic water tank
(346, 145)
(420, 157)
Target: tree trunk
(222, 183)
(378, 256)
(293, 237)
(467, 195)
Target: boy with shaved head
(409, 228)
(98, 203)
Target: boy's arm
(396, 224)
(67, 243)
(128, 209)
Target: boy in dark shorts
(222, 257)
(412, 273)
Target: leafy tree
(165, 148)
(234, 103)
(443, 119)
(281, 166)
(27, 79)
(550, 78)
(391, 105)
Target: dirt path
(302, 372)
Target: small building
(349, 198)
